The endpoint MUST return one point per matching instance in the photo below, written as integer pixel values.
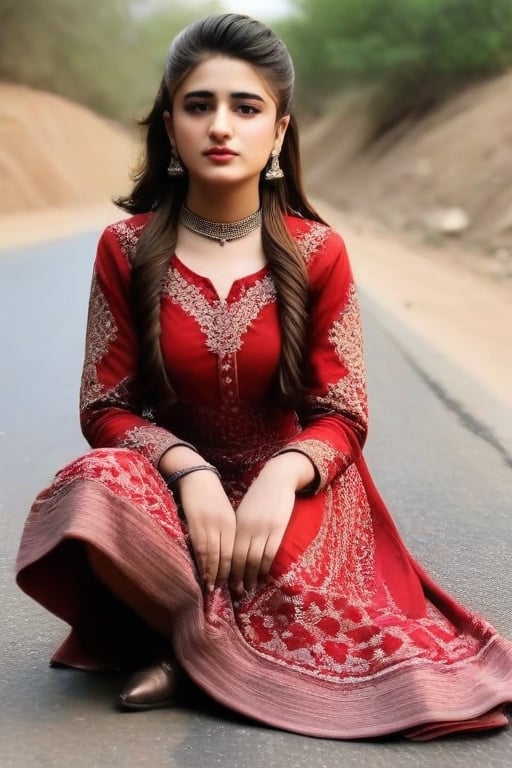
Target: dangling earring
(175, 167)
(275, 171)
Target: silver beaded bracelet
(170, 480)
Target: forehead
(222, 74)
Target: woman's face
(224, 122)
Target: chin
(221, 177)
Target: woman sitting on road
(225, 526)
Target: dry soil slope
(461, 155)
(56, 153)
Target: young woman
(225, 524)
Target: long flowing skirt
(349, 638)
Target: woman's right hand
(211, 523)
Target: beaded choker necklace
(220, 231)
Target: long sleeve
(108, 410)
(335, 412)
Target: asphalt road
(445, 476)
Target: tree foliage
(413, 53)
(410, 54)
(106, 54)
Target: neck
(223, 205)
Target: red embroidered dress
(350, 637)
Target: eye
(247, 109)
(197, 107)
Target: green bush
(411, 53)
(105, 54)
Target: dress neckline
(197, 278)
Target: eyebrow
(235, 95)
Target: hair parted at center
(239, 37)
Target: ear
(281, 126)
(167, 118)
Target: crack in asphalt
(468, 421)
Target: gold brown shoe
(150, 688)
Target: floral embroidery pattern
(151, 441)
(97, 396)
(127, 237)
(310, 241)
(101, 331)
(329, 615)
(324, 456)
(127, 475)
(346, 335)
(236, 438)
(349, 393)
(222, 323)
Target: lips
(220, 155)
(220, 152)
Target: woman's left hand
(263, 515)
(261, 520)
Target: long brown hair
(246, 39)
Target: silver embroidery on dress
(222, 323)
(151, 441)
(348, 393)
(331, 616)
(127, 237)
(101, 332)
(310, 241)
(324, 456)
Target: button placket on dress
(228, 380)
(227, 372)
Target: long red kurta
(350, 637)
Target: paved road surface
(447, 481)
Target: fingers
(252, 560)
(207, 553)
(202, 552)
(239, 549)
(260, 557)
(272, 545)
(261, 521)
(213, 550)
(211, 525)
(253, 563)
(238, 561)
(226, 542)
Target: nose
(220, 127)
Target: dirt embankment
(452, 169)
(54, 153)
